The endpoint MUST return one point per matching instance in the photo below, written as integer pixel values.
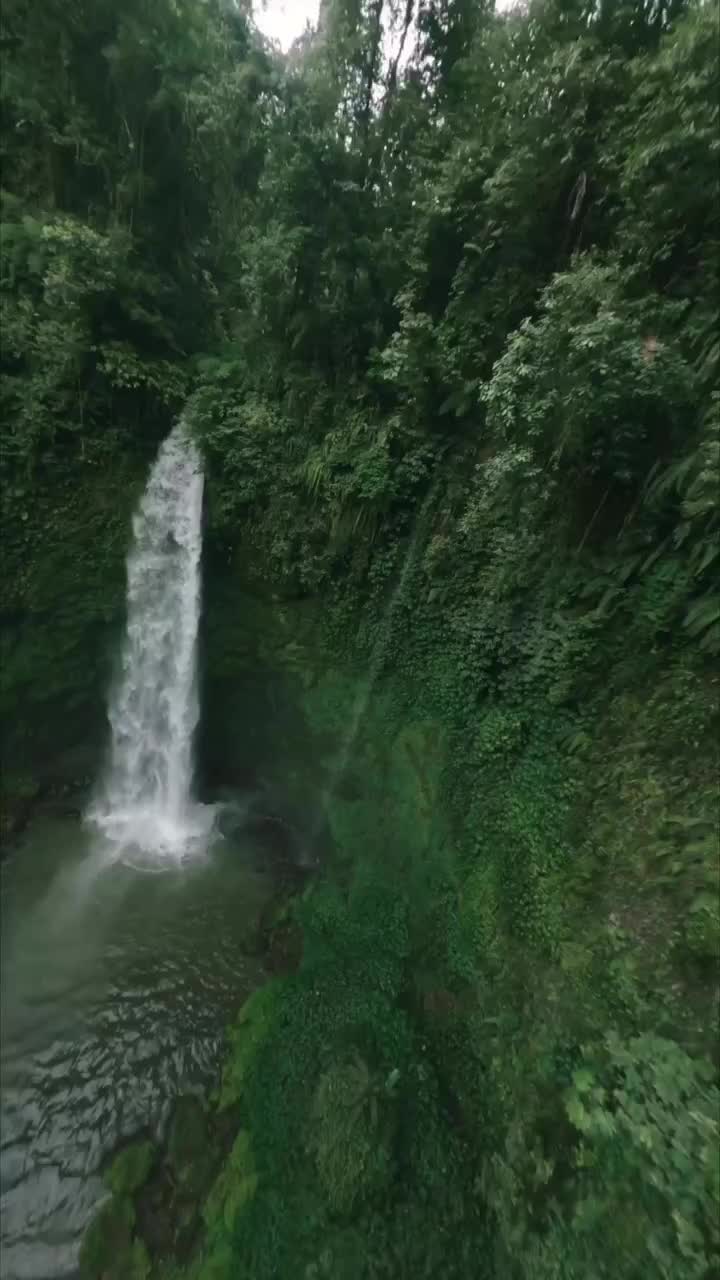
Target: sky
(284, 20)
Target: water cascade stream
(145, 800)
(116, 986)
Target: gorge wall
(445, 330)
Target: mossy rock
(190, 1148)
(131, 1169)
(109, 1251)
(218, 1264)
(234, 1188)
(247, 1036)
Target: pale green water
(116, 988)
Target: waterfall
(145, 800)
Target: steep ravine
(477, 922)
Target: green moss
(515, 837)
(349, 1135)
(131, 1168)
(109, 1251)
(219, 1264)
(509, 874)
(251, 1028)
(234, 1188)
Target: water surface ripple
(116, 988)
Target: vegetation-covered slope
(439, 295)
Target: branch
(392, 87)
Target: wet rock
(170, 1205)
(188, 1146)
(284, 949)
(18, 799)
(110, 1251)
(131, 1167)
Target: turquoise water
(117, 983)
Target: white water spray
(145, 803)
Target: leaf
(703, 902)
(583, 1080)
(702, 614)
(711, 553)
(577, 1114)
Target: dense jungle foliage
(438, 292)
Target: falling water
(145, 802)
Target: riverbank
(117, 986)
